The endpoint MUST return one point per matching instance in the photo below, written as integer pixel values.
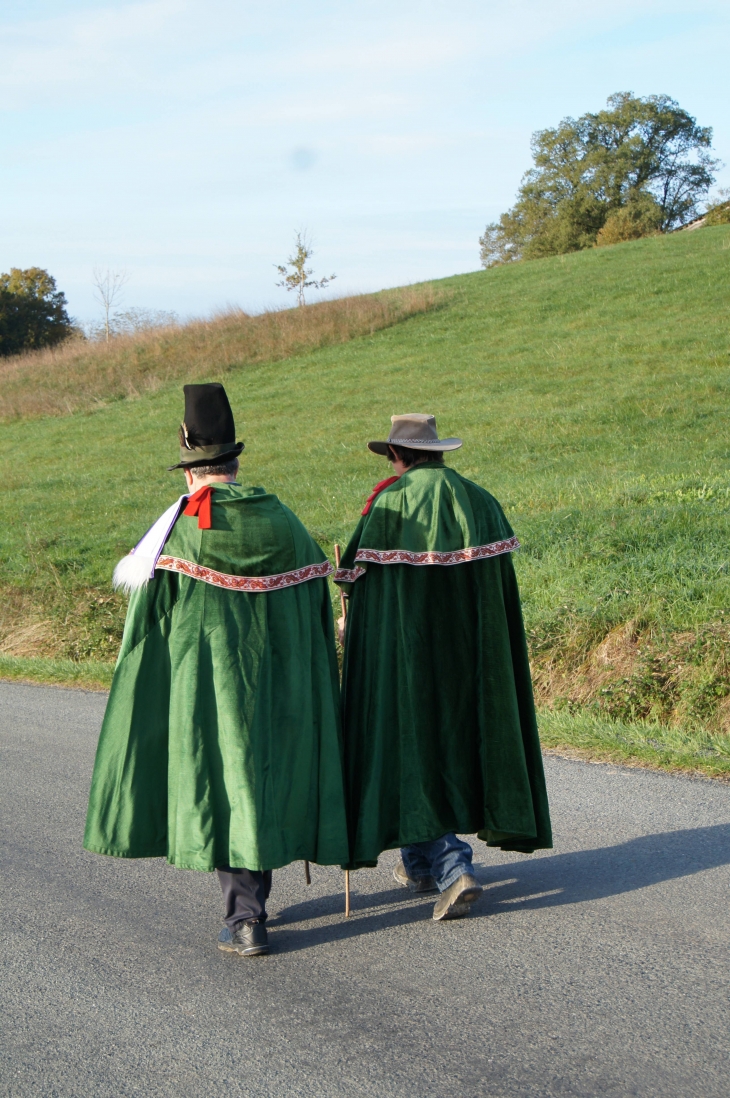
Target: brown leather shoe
(413, 884)
(457, 899)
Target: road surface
(600, 968)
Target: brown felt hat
(414, 431)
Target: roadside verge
(578, 735)
(595, 738)
(85, 676)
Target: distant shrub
(718, 215)
(132, 322)
(640, 217)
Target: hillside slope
(81, 374)
(591, 391)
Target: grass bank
(591, 391)
(582, 735)
(87, 675)
(636, 743)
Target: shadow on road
(553, 880)
(548, 880)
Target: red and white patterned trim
(246, 583)
(456, 556)
(348, 575)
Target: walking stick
(307, 874)
(343, 607)
(343, 600)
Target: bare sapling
(109, 286)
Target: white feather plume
(133, 572)
(138, 567)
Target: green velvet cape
(221, 742)
(439, 720)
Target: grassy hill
(591, 391)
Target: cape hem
(509, 841)
(200, 867)
(455, 556)
(109, 853)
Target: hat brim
(438, 445)
(208, 459)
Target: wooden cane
(343, 600)
(343, 607)
(307, 874)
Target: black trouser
(245, 892)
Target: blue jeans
(445, 859)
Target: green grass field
(591, 391)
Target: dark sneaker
(413, 884)
(458, 898)
(248, 939)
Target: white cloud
(182, 48)
(89, 50)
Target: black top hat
(208, 433)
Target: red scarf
(376, 491)
(200, 504)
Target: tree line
(33, 311)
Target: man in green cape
(221, 743)
(439, 720)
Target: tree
(32, 311)
(109, 285)
(299, 277)
(647, 156)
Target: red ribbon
(200, 504)
(376, 491)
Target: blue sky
(186, 142)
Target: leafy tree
(299, 278)
(645, 156)
(32, 311)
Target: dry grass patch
(50, 622)
(30, 639)
(81, 374)
(24, 630)
(638, 672)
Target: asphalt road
(600, 968)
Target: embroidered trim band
(246, 583)
(457, 556)
(348, 575)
